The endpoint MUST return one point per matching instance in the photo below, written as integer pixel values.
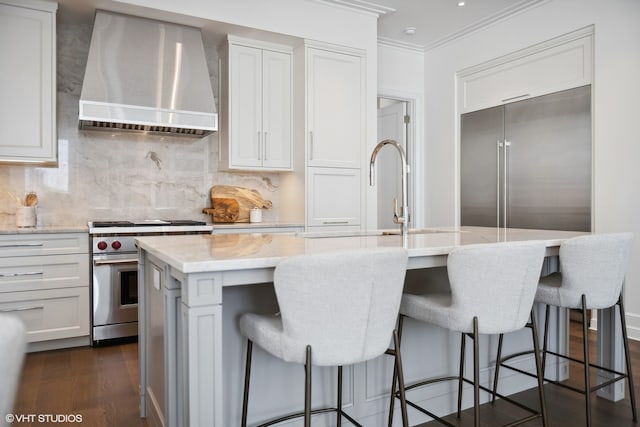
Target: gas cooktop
(147, 223)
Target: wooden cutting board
(223, 210)
(247, 199)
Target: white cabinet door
(50, 314)
(556, 65)
(333, 196)
(276, 109)
(245, 106)
(256, 135)
(335, 108)
(27, 83)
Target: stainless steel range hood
(146, 75)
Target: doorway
(393, 123)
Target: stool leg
(585, 347)
(307, 389)
(398, 363)
(395, 370)
(463, 341)
(545, 337)
(539, 371)
(247, 375)
(625, 341)
(476, 375)
(496, 374)
(339, 404)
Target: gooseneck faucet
(403, 218)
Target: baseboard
(633, 326)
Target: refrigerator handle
(498, 175)
(505, 177)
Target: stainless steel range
(114, 294)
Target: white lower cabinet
(50, 314)
(333, 197)
(44, 280)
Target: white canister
(26, 216)
(255, 215)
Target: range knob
(102, 245)
(116, 245)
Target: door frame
(416, 175)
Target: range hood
(146, 75)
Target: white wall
(616, 91)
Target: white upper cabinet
(256, 125)
(28, 81)
(335, 108)
(559, 64)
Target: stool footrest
(313, 412)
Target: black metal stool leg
(395, 371)
(545, 337)
(339, 404)
(307, 389)
(496, 374)
(476, 375)
(539, 369)
(463, 338)
(398, 364)
(585, 347)
(625, 341)
(247, 375)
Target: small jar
(255, 215)
(26, 216)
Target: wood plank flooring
(565, 408)
(101, 384)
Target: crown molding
(386, 41)
(359, 6)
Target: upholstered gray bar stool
(492, 291)
(335, 309)
(13, 338)
(592, 272)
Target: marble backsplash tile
(111, 175)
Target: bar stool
(13, 339)
(335, 309)
(592, 272)
(492, 291)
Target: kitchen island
(193, 289)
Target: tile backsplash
(111, 175)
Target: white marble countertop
(233, 225)
(204, 253)
(12, 229)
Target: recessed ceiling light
(410, 31)
(460, 3)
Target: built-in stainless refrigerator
(527, 164)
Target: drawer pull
(26, 273)
(335, 222)
(31, 307)
(22, 245)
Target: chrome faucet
(403, 218)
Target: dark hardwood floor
(565, 408)
(101, 384)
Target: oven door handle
(115, 261)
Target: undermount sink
(365, 233)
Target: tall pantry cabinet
(334, 97)
(28, 81)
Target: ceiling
(435, 21)
(439, 21)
